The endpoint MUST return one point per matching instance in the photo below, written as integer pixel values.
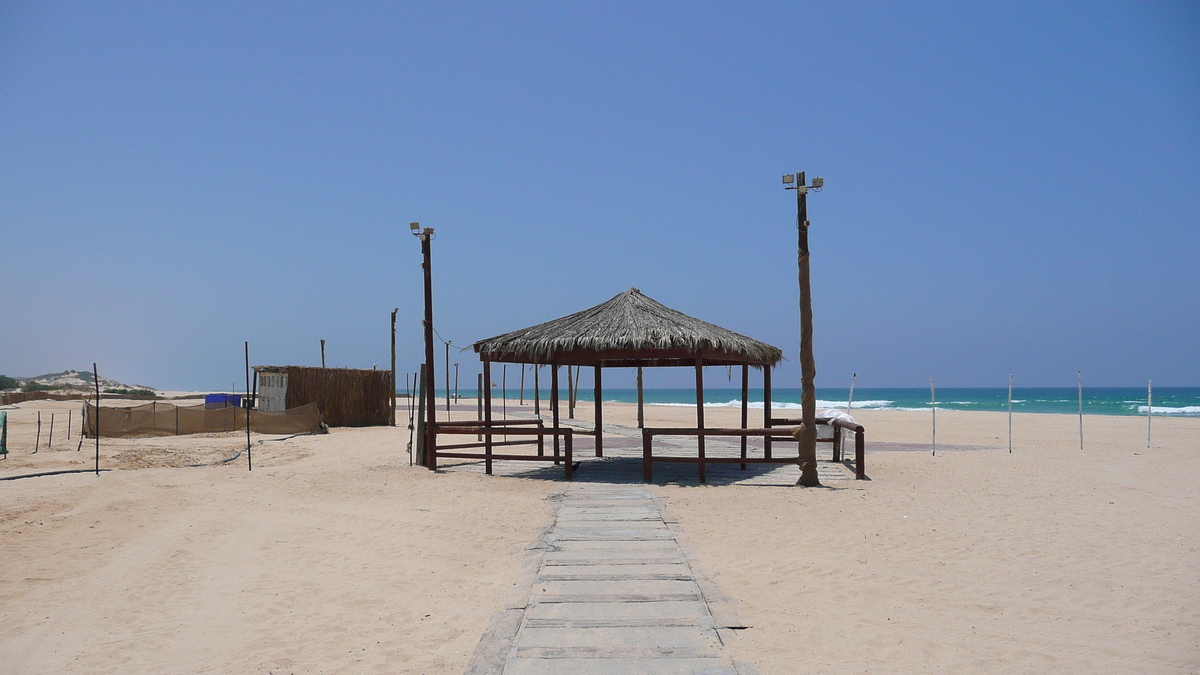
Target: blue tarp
(222, 400)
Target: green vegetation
(130, 392)
(7, 382)
(37, 386)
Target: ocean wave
(1167, 410)
(789, 405)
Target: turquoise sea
(1168, 401)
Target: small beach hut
(631, 330)
(347, 397)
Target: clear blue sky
(1011, 187)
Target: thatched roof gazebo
(629, 331)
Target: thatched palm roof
(628, 330)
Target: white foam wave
(789, 405)
(1166, 410)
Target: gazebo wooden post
(641, 400)
(554, 404)
(487, 415)
(700, 417)
(745, 406)
(767, 409)
(537, 392)
(570, 393)
(598, 393)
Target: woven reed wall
(347, 397)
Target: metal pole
(456, 383)
(322, 352)
(808, 368)
(537, 392)
(521, 398)
(249, 462)
(447, 380)
(394, 367)
(479, 400)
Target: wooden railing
(648, 458)
(501, 428)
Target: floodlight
(428, 230)
(818, 182)
(789, 179)
(414, 227)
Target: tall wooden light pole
(808, 367)
(426, 236)
(393, 396)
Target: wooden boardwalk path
(613, 594)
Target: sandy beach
(334, 555)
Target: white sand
(329, 556)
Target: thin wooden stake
(504, 393)
(249, 462)
(96, 379)
(68, 425)
(50, 442)
(1010, 413)
(933, 410)
(521, 400)
(850, 399)
(1080, 374)
(1149, 409)
(38, 441)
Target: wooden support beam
(767, 409)
(599, 395)
(554, 403)
(641, 400)
(487, 415)
(700, 417)
(745, 406)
